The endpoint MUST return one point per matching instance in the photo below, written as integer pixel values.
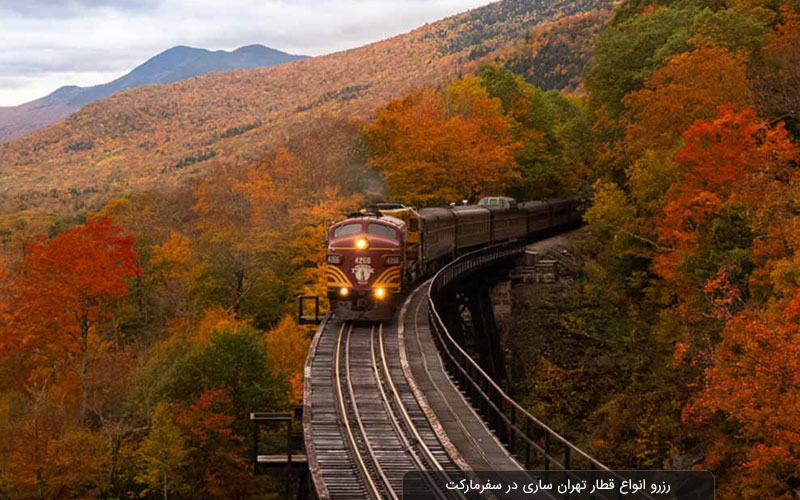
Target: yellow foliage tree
(174, 265)
(287, 345)
(162, 453)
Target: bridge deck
(364, 428)
(463, 431)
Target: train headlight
(393, 260)
(362, 243)
(334, 259)
(344, 292)
(380, 293)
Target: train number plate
(363, 260)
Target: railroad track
(368, 428)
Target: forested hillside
(554, 55)
(162, 135)
(677, 344)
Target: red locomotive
(366, 266)
(373, 255)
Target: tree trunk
(39, 478)
(84, 362)
(116, 443)
(239, 290)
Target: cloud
(67, 42)
(71, 8)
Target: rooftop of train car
(498, 201)
(533, 204)
(388, 206)
(466, 209)
(435, 213)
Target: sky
(50, 43)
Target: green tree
(236, 363)
(551, 155)
(632, 48)
(162, 452)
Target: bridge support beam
(469, 315)
(501, 302)
(485, 333)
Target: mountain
(162, 136)
(175, 64)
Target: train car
(538, 213)
(438, 236)
(562, 211)
(473, 226)
(366, 266)
(574, 210)
(498, 201)
(508, 223)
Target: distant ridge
(172, 65)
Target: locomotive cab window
(347, 230)
(381, 230)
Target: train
(375, 255)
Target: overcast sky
(45, 44)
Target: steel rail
(373, 488)
(402, 429)
(432, 460)
(415, 437)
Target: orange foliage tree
(268, 216)
(48, 459)
(443, 146)
(287, 345)
(692, 86)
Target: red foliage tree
(219, 465)
(64, 292)
(735, 158)
(753, 382)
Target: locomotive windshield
(381, 230)
(347, 230)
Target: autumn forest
(154, 243)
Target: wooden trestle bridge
(387, 398)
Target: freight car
(374, 255)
